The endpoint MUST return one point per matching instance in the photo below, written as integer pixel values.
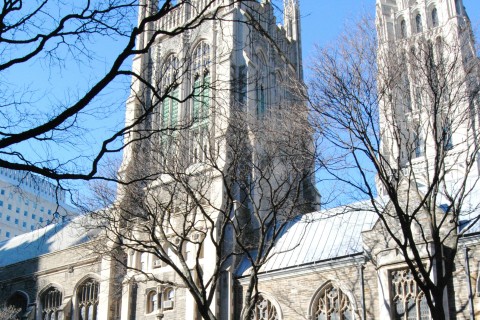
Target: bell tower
(428, 78)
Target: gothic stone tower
(427, 81)
(232, 59)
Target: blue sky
(322, 21)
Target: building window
(7, 234)
(24, 224)
(418, 23)
(9, 207)
(8, 218)
(447, 135)
(435, 17)
(19, 300)
(33, 216)
(2, 192)
(16, 221)
(152, 301)
(32, 228)
(51, 301)
(418, 142)
(331, 303)
(199, 141)
(87, 297)
(25, 213)
(169, 295)
(408, 301)
(49, 212)
(265, 310)
(260, 101)
(40, 219)
(143, 261)
(169, 85)
(403, 29)
(17, 210)
(1, 203)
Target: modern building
(325, 264)
(29, 202)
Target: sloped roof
(471, 202)
(320, 236)
(46, 240)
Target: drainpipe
(362, 289)
(469, 282)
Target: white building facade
(28, 202)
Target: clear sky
(54, 87)
(323, 20)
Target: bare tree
(407, 112)
(201, 219)
(56, 33)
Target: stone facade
(342, 266)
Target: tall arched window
(169, 111)
(265, 310)
(418, 23)
(261, 84)
(408, 301)
(435, 17)
(331, 303)
(403, 29)
(87, 299)
(19, 300)
(199, 147)
(169, 296)
(51, 301)
(152, 301)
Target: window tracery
(170, 71)
(265, 310)
(51, 302)
(408, 301)
(332, 304)
(87, 297)
(199, 146)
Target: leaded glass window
(169, 113)
(418, 23)
(51, 302)
(200, 112)
(332, 304)
(265, 310)
(87, 295)
(408, 301)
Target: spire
(291, 18)
(291, 21)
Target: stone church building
(336, 263)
